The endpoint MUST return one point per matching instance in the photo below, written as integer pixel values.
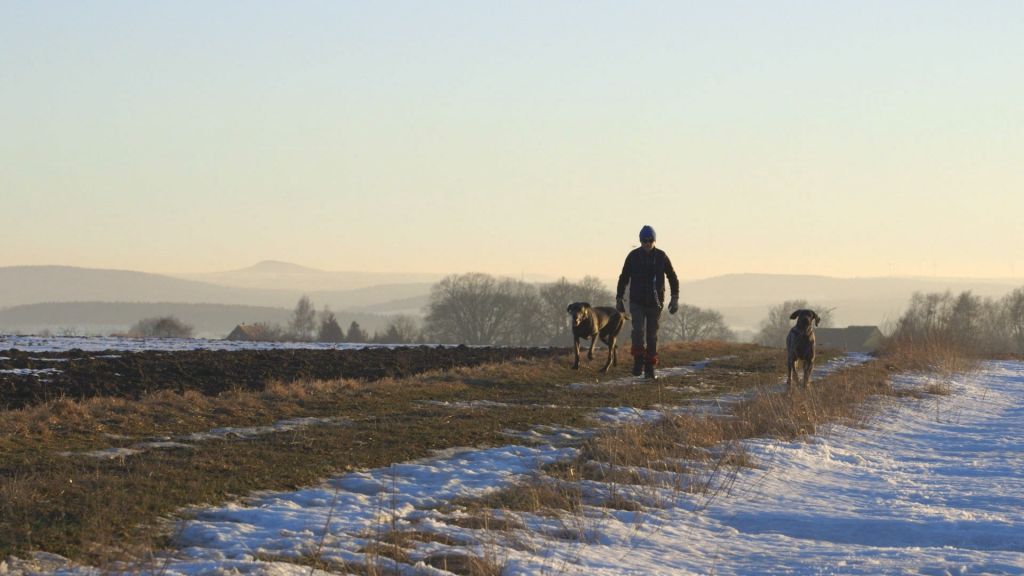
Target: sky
(847, 138)
(928, 486)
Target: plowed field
(28, 378)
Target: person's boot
(638, 365)
(649, 371)
(638, 359)
(649, 365)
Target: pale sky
(846, 138)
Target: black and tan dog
(800, 345)
(593, 322)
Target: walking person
(644, 272)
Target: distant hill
(33, 284)
(21, 285)
(103, 318)
(412, 306)
(744, 299)
(275, 275)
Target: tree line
(308, 325)
(969, 322)
(305, 324)
(473, 309)
(479, 309)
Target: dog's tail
(622, 320)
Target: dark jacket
(645, 274)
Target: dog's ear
(570, 308)
(795, 314)
(817, 319)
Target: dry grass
(929, 355)
(839, 397)
(465, 564)
(701, 453)
(96, 510)
(539, 496)
(102, 510)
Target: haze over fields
(531, 140)
(90, 301)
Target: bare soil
(80, 375)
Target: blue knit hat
(647, 233)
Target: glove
(673, 305)
(620, 305)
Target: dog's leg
(808, 366)
(611, 355)
(576, 352)
(790, 368)
(593, 342)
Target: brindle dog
(593, 322)
(800, 346)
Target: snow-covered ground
(932, 487)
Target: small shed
(248, 333)
(864, 339)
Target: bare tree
(479, 309)
(555, 297)
(1013, 306)
(303, 319)
(160, 327)
(965, 321)
(401, 329)
(927, 316)
(460, 310)
(972, 323)
(269, 332)
(773, 329)
(524, 316)
(692, 323)
(995, 330)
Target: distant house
(850, 339)
(249, 332)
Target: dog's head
(804, 318)
(579, 311)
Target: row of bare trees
(969, 322)
(479, 309)
(972, 323)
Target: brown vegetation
(97, 509)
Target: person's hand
(620, 305)
(673, 306)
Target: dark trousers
(645, 329)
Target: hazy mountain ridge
(276, 275)
(743, 299)
(35, 284)
(22, 285)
